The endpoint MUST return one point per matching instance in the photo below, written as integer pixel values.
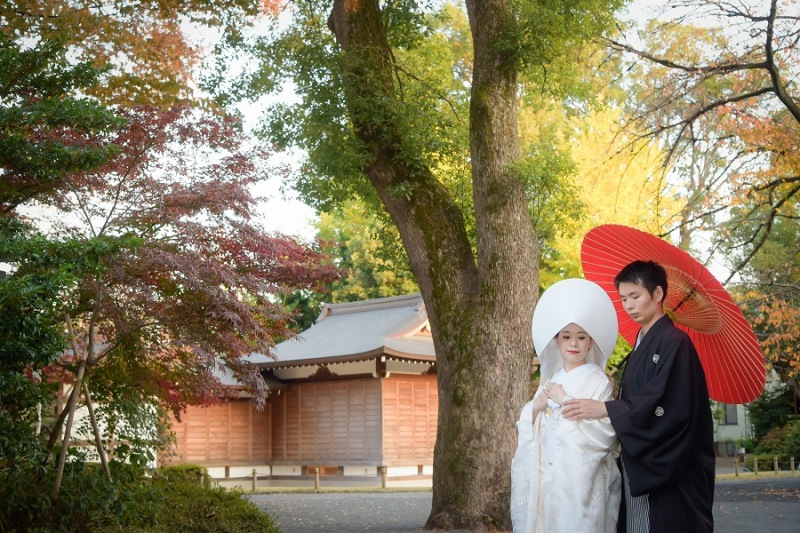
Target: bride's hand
(540, 402)
(556, 392)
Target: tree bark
(55, 432)
(480, 307)
(73, 402)
(98, 438)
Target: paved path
(741, 505)
(747, 505)
(372, 512)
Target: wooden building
(354, 393)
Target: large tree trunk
(480, 308)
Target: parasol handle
(685, 299)
(616, 367)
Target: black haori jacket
(663, 420)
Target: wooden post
(775, 460)
(755, 465)
(791, 465)
(255, 478)
(383, 477)
(736, 466)
(316, 477)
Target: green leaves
(369, 250)
(546, 37)
(48, 128)
(45, 283)
(548, 175)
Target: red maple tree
(196, 284)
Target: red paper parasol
(696, 301)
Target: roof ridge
(389, 302)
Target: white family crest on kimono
(564, 474)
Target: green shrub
(87, 500)
(748, 444)
(193, 509)
(766, 462)
(132, 502)
(792, 441)
(774, 441)
(186, 473)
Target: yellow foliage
(620, 180)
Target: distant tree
(735, 94)
(778, 325)
(791, 444)
(699, 161)
(148, 43)
(368, 250)
(305, 307)
(593, 172)
(773, 409)
(771, 286)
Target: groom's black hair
(648, 274)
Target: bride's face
(574, 344)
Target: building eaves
(357, 331)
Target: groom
(662, 417)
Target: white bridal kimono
(564, 475)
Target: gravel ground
(389, 512)
(741, 505)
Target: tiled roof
(396, 326)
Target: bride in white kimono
(564, 474)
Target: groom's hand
(584, 409)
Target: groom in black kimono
(662, 417)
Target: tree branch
(727, 68)
(766, 226)
(776, 183)
(772, 67)
(685, 123)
